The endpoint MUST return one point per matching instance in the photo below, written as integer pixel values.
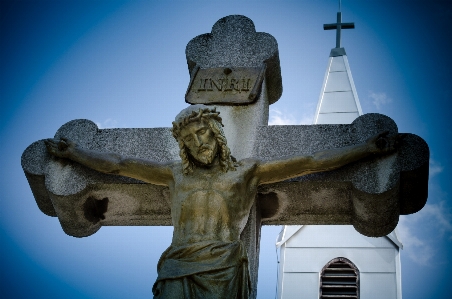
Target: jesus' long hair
(212, 118)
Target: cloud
(379, 99)
(435, 168)
(107, 124)
(439, 213)
(278, 118)
(417, 250)
(433, 218)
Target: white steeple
(307, 250)
(338, 100)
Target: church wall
(378, 285)
(305, 254)
(306, 286)
(301, 285)
(313, 259)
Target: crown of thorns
(195, 116)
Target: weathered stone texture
(234, 42)
(369, 194)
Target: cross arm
(83, 199)
(335, 26)
(369, 194)
(276, 170)
(148, 171)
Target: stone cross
(338, 26)
(237, 69)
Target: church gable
(337, 236)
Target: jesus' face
(200, 141)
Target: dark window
(339, 279)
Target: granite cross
(236, 69)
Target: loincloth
(208, 269)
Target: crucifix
(217, 185)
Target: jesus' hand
(383, 144)
(59, 148)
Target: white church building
(335, 261)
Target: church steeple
(306, 251)
(338, 101)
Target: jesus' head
(198, 130)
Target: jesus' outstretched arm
(295, 166)
(111, 163)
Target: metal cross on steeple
(338, 26)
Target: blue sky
(122, 64)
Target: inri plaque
(235, 85)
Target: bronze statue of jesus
(211, 198)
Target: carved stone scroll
(235, 85)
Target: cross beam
(369, 194)
(338, 26)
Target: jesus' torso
(209, 204)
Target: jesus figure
(211, 197)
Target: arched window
(339, 279)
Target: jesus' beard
(206, 154)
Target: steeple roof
(338, 100)
(338, 104)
